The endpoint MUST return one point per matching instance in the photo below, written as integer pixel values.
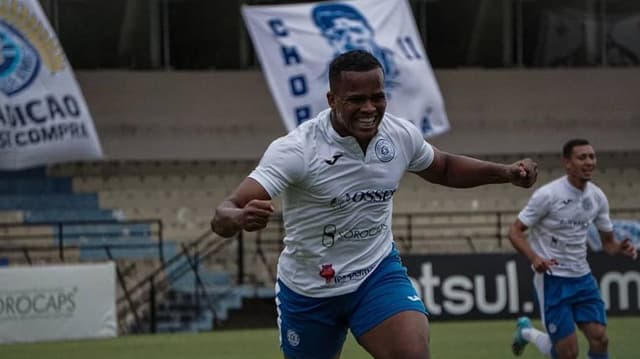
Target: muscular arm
(247, 208)
(517, 239)
(460, 171)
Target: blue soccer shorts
(564, 301)
(316, 328)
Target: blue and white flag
(296, 43)
(43, 116)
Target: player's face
(358, 103)
(582, 163)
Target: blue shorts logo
(19, 61)
(385, 150)
(293, 338)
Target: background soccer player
(559, 214)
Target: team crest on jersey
(385, 150)
(25, 44)
(587, 204)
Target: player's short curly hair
(356, 60)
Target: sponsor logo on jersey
(366, 196)
(574, 223)
(362, 234)
(355, 275)
(330, 232)
(327, 272)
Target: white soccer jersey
(559, 215)
(337, 200)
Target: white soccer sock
(538, 338)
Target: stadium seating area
(44, 221)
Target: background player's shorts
(565, 301)
(316, 328)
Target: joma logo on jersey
(334, 159)
(377, 195)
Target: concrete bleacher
(39, 210)
(183, 194)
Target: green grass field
(457, 340)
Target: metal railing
(44, 234)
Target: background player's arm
(460, 171)
(247, 208)
(517, 239)
(612, 247)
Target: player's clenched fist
(255, 215)
(524, 173)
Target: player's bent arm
(248, 207)
(609, 244)
(462, 172)
(612, 247)
(516, 237)
(519, 242)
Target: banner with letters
(44, 303)
(296, 43)
(43, 115)
(493, 286)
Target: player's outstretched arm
(247, 208)
(612, 247)
(461, 171)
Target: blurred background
(183, 113)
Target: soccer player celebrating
(337, 175)
(559, 214)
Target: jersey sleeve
(537, 207)
(602, 220)
(421, 152)
(281, 165)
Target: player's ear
(331, 100)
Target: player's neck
(578, 183)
